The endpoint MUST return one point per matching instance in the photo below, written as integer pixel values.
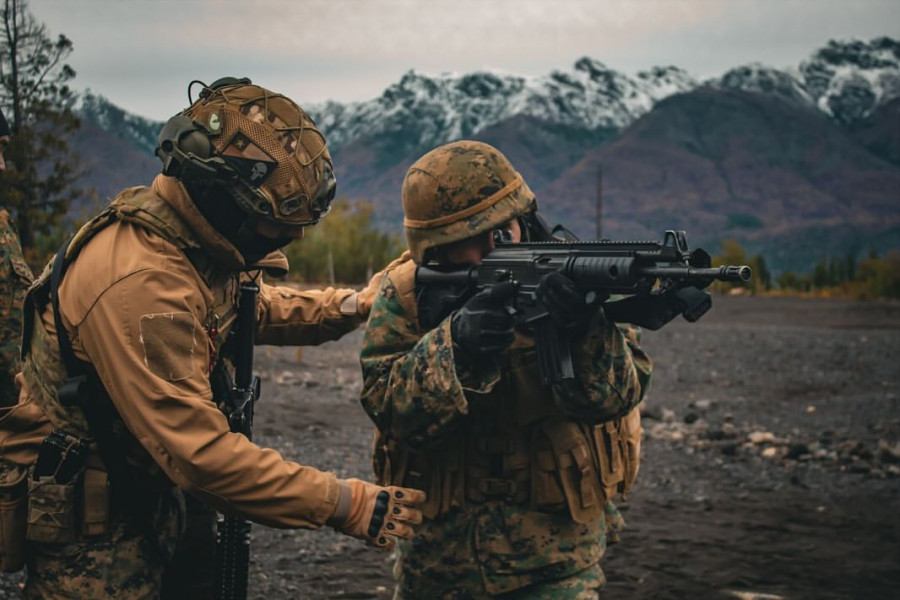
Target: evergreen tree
(733, 254)
(344, 248)
(850, 266)
(820, 277)
(761, 273)
(38, 102)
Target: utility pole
(599, 201)
(330, 266)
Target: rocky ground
(771, 460)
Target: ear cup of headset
(180, 138)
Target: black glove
(485, 323)
(566, 304)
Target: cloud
(142, 54)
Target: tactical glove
(484, 324)
(377, 514)
(566, 304)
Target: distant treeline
(345, 247)
(847, 277)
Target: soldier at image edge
(146, 302)
(15, 277)
(520, 478)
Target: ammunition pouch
(68, 494)
(566, 468)
(618, 445)
(51, 511)
(564, 472)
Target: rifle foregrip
(599, 271)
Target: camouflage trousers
(123, 564)
(469, 586)
(491, 554)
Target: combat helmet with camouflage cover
(259, 146)
(460, 190)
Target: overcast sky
(141, 54)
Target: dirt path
(771, 464)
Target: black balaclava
(4, 126)
(222, 212)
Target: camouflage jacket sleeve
(612, 372)
(15, 277)
(412, 389)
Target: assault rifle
(660, 280)
(236, 399)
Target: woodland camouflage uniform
(15, 277)
(519, 477)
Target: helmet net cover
(458, 191)
(279, 143)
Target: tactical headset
(185, 149)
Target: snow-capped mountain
(136, 130)
(447, 107)
(796, 163)
(847, 80)
(761, 79)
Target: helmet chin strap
(254, 246)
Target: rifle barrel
(724, 273)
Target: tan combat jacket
(150, 322)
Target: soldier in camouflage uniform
(147, 302)
(519, 477)
(15, 277)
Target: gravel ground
(771, 460)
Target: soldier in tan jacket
(147, 302)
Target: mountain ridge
(837, 112)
